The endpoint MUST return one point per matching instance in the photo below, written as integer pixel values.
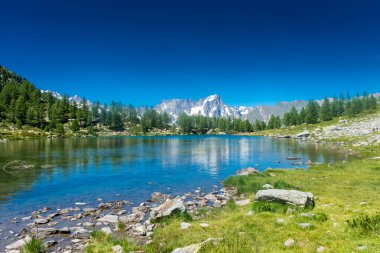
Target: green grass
(272, 207)
(176, 215)
(103, 243)
(366, 223)
(35, 245)
(254, 182)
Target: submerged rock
(291, 197)
(158, 196)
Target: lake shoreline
(70, 228)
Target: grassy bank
(346, 215)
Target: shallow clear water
(131, 168)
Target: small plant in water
(34, 245)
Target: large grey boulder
(304, 134)
(291, 197)
(167, 208)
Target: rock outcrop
(291, 197)
(168, 207)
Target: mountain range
(213, 106)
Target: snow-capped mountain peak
(213, 106)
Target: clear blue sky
(140, 52)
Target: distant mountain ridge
(213, 106)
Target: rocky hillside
(363, 131)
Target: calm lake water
(131, 168)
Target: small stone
(14, 251)
(242, 202)
(106, 230)
(109, 218)
(362, 247)
(41, 221)
(305, 225)
(185, 225)
(307, 215)
(158, 196)
(88, 224)
(247, 171)
(76, 240)
(204, 225)
(64, 230)
(26, 218)
(81, 234)
(89, 210)
(249, 213)
(266, 187)
(53, 215)
(363, 203)
(121, 212)
(280, 221)
(289, 243)
(321, 249)
(50, 243)
(117, 249)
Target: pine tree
(312, 112)
(325, 110)
(303, 115)
(286, 119)
(20, 110)
(293, 117)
